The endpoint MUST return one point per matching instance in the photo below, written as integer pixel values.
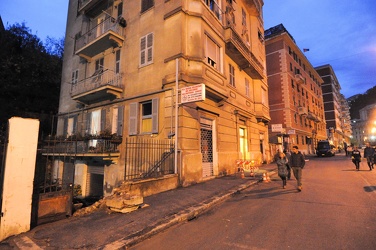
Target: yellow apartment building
(121, 115)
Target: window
(146, 4)
(70, 126)
(146, 49)
(213, 5)
(99, 63)
(244, 17)
(117, 62)
(148, 118)
(247, 87)
(117, 120)
(212, 53)
(75, 77)
(120, 9)
(95, 122)
(243, 142)
(232, 75)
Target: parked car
(324, 148)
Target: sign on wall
(276, 127)
(194, 93)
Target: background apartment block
(119, 75)
(295, 96)
(336, 108)
(364, 129)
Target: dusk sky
(341, 33)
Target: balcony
(240, 52)
(299, 79)
(103, 85)
(302, 111)
(262, 113)
(107, 34)
(105, 149)
(255, 7)
(92, 8)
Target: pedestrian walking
(345, 148)
(281, 162)
(288, 156)
(369, 152)
(356, 157)
(297, 164)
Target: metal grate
(207, 150)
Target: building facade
(365, 127)
(336, 109)
(295, 96)
(124, 64)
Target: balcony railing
(241, 53)
(213, 6)
(103, 36)
(103, 84)
(90, 147)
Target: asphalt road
(335, 210)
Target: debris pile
(124, 203)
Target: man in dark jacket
(297, 163)
(368, 154)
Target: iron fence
(146, 158)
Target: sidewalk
(103, 230)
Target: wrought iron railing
(99, 79)
(214, 7)
(73, 147)
(146, 158)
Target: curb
(185, 215)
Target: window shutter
(154, 114)
(133, 114)
(88, 123)
(150, 41)
(120, 120)
(65, 128)
(103, 120)
(143, 50)
(75, 124)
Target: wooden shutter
(150, 41)
(120, 119)
(88, 123)
(154, 114)
(65, 126)
(133, 114)
(143, 50)
(75, 124)
(103, 120)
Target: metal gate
(207, 147)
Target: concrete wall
(19, 176)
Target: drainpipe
(176, 115)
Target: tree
(361, 101)
(30, 74)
